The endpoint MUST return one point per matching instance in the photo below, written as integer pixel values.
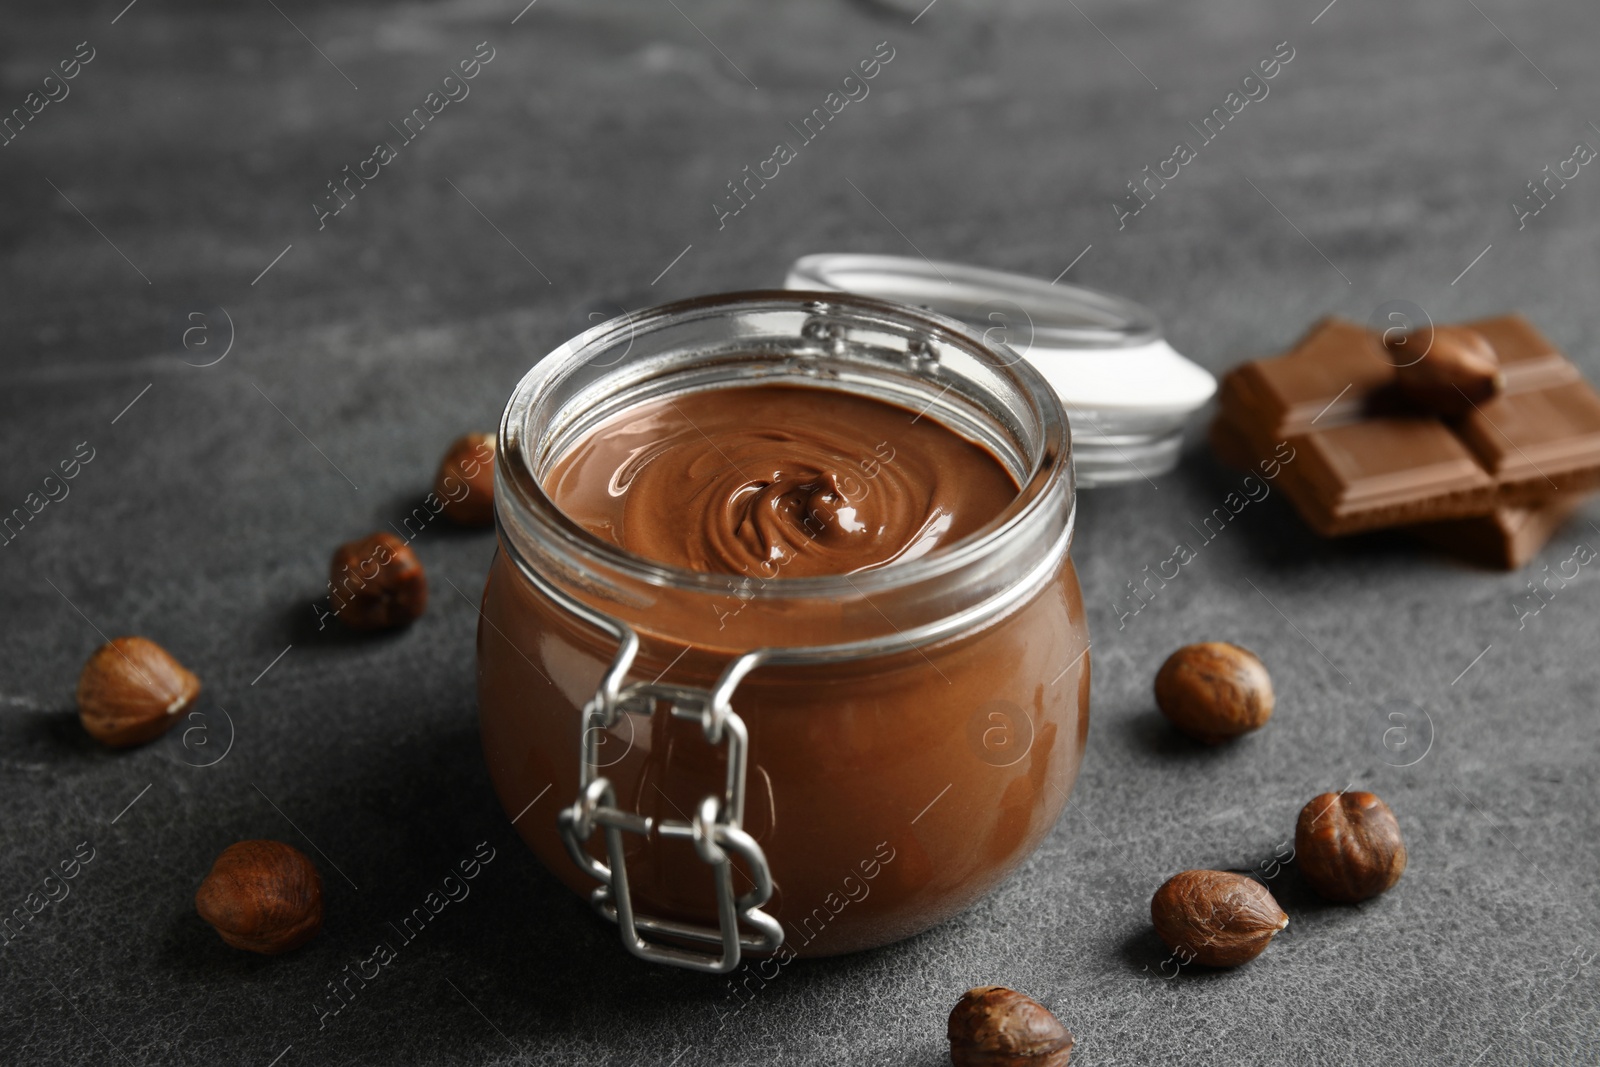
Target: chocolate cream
(773, 480)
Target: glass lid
(1126, 390)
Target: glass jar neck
(916, 360)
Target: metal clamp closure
(716, 830)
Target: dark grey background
(595, 142)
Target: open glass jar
(736, 765)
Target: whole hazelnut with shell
(1215, 918)
(132, 691)
(377, 583)
(1445, 370)
(262, 896)
(1214, 691)
(464, 482)
(993, 1026)
(1348, 846)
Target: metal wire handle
(716, 830)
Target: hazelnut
(1457, 368)
(465, 482)
(262, 896)
(1348, 846)
(993, 1026)
(1214, 691)
(1216, 918)
(377, 583)
(132, 691)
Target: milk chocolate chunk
(1539, 443)
(1370, 456)
(1385, 472)
(1504, 539)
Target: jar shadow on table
(393, 817)
(527, 951)
(530, 945)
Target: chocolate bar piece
(1367, 460)
(1504, 539)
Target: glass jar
(734, 765)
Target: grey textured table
(177, 174)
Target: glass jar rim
(517, 483)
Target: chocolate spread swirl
(778, 480)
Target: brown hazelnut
(1215, 918)
(377, 583)
(1348, 846)
(1445, 370)
(132, 691)
(993, 1026)
(262, 896)
(465, 482)
(1214, 691)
